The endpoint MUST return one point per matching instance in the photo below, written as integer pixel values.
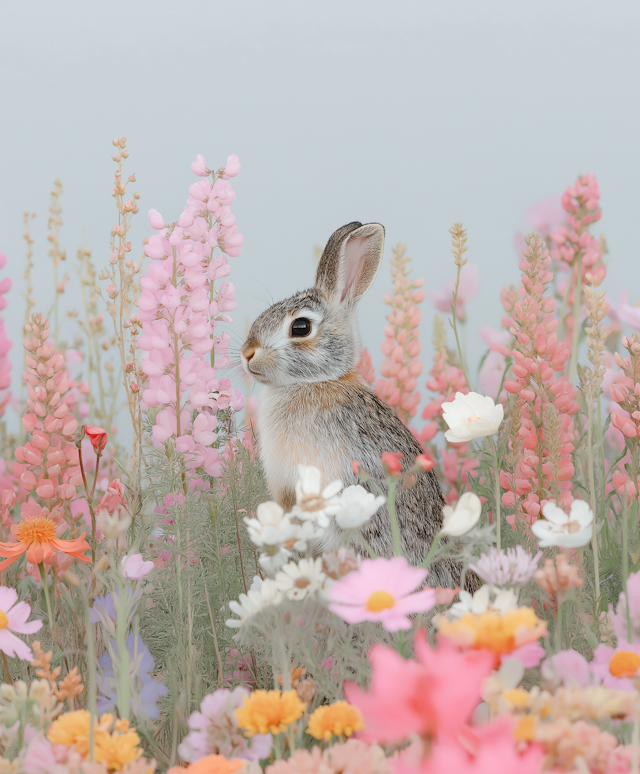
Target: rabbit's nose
(249, 353)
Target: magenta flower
(382, 590)
(13, 618)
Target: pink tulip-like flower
(382, 590)
(13, 618)
(199, 167)
(113, 498)
(135, 568)
(97, 436)
(232, 167)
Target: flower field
(160, 611)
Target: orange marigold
(36, 537)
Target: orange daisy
(37, 538)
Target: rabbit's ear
(350, 262)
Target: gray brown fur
(315, 409)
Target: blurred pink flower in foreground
(382, 590)
(468, 288)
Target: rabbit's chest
(294, 432)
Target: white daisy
(558, 529)
(356, 506)
(262, 593)
(312, 501)
(298, 580)
(488, 597)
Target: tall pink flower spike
(180, 308)
(401, 365)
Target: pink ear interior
(353, 264)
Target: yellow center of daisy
(380, 600)
(4, 621)
(624, 664)
(38, 530)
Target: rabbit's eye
(301, 327)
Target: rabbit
(316, 410)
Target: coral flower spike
(37, 538)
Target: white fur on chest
(293, 431)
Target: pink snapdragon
(180, 307)
(48, 463)
(546, 401)
(401, 365)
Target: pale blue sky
(413, 114)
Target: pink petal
(18, 614)
(12, 646)
(419, 602)
(8, 598)
(393, 621)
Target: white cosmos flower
(463, 517)
(305, 533)
(298, 580)
(312, 501)
(270, 527)
(357, 506)
(471, 416)
(558, 529)
(263, 593)
(488, 597)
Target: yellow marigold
(525, 730)
(335, 720)
(267, 712)
(115, 744)
(517, 698)
(494, 632)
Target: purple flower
(146, 688)
(214, 730)
(511, 567)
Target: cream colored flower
(487, 597)
(463, 517)
(298, 580)
(313, 502)
(471, 416)
(357, 506)
(263, 593)
(558, 529)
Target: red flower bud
(392, 461)
(425, 461)
(97, 436)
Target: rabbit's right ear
(350, 262)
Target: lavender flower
(146, 688)
(511, 567)
(214, 730)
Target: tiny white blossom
(463, 517)
(263, 593)
(558, 529)
(488, 597)
(356, 506)
(270, 527)
(298, 580)
(305, 533)
(471, 416)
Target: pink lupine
(179, 309)
(48, 463)
(365, 367)
(544, 400)
(401, 347)
(5, 343)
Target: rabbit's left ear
(350, 262)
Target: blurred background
(413, 114)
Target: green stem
(434, 547)
(494, 450)
(575, 339)
(559, 626)
(45, 588)
(123, 654)
(625, 564)
(592, 489)
(454, 325)
(395, 529)
(91, 669)
(635, 740)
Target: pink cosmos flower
(530, 655)
(135, 568)
(382, 590)
(13, 618)
(432, 696)
(615, 667)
